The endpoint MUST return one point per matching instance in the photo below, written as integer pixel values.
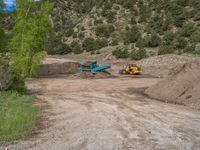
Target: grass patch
(17, 116)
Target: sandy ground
(110, 114)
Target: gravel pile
(183, 87)
(164, 65)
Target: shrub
(76, 48)
(132, 35)
(9, 80)
(179, 42)
(98, 21)
(118, 53)
(189, 49)
(166, 49)
(104, 30)
(141, 43)
(91, 44)
(81, 35)
(69, 32)
(154, 40)
(168, 38)
(187, 30)
(138, 54)
(195, 37)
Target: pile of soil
(183, 87)
(164, 65)
(54, 66)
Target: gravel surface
(110, 114)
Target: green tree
(30, 35)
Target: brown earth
(183, 87)
(111, 114)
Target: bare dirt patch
(110, 114)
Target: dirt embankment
(54, 66)
(181, 88)
(164, 65)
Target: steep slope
(166, 26)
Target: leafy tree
(30, 35)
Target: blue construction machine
(91, 66)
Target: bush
(69, 32)
(76, 48)
(195, 37)
(104, 30)
(166, 49)
(154, 40)
(98, 21)
(118, 53)
(187, 30)
(138, 54)
(189, 49)
(9, 80)
(141, 43)
(91, 44)
(168, 38)
(132, 35)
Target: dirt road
(110, 114)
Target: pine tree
(30, 35)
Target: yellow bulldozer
(131, 69)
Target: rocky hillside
(137, 28)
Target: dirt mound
(181, 88)
(54, 66)
(165, 65)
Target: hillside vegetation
(167, 26)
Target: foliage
(153, 40)
(30, 35)
(76, 48)
(166, 49)
(120, 53)
(132, 35)
(17, 116)
(69, 32)
(104, 30)
(138, 54)
(9, 80)
(91, 44)
(187, 30)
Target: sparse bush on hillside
(141, 43)
(76, 48)
(132, 35)
(69, 32)
(98, 21)
(166, 49)
(91, 44)
(189, 49)
(187, 30)
(104, 30)
(120, 53)
(168, 38)
(153, 40)
(195, 37)
(138, 54)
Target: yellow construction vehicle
(131, 69)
